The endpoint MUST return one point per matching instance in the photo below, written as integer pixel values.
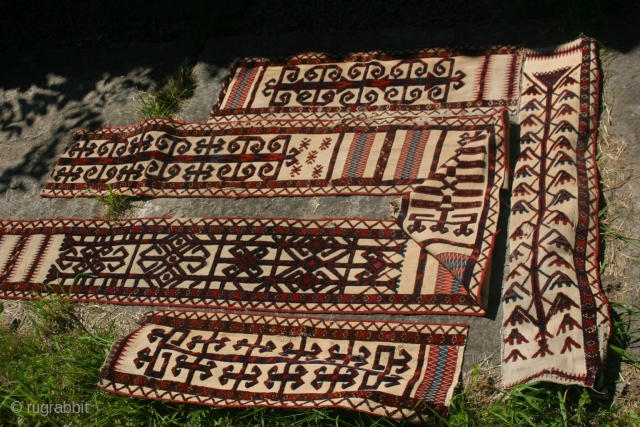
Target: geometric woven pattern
(453, 215)
(402, 371)
(283, 265)
(556, 319)
(164, 158)
(332, 86)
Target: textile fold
(453, 215)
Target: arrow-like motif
(556, 318)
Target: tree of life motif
(545, 195)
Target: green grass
(167, 99)
(606, 229)
(116, 205)
(534, 404)
(59, 359)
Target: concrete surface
(45, 95)
(622, 92)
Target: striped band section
(486, 79)
(446, 281)
(448, 372)
(241, 88)
(434, 374)
(358, 155)
(411, 155)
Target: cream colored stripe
(52, 252)
(496, 85)
(7, 244)
(429, 152)
(27, 258)
(409, 268)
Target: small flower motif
(295, 171)
(304, 144)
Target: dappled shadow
(47, 95)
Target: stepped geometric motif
(556, 320)
(402, 371)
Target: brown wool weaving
(403, 371)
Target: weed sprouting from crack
(168, 99)
(116, 205)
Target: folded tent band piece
(253, 263)
(404, 371)
(559, 99)
(294, 265)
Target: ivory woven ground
(163, 158)
(556, 319)
(283, 265)
(403, 371)
(438, 81)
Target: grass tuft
(168, 99)
(116, 205)
(60, 358)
